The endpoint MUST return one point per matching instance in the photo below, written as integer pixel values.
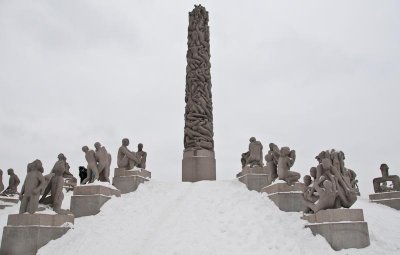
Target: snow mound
(220, 217)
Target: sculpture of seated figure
(385, 178)
(142, 155)
(13, 183)
(286, 160)
(32, 187)
(326, 196)
(254, 156)
(103, 159)
(125, 158)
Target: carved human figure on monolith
(92, 171)
(125, 158)
(1, 181)
(13, 183)
(142, 155)
(253, 157)
(386, 178)
(56, 184)
(286, 160)
(103, 159)
(32, 187)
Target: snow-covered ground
(220, 217)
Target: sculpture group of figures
(381, 183)
(330, 184)
(278, 161)
(198, 112)
(13, 183)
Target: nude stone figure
(1, 181)
(92, 171)
(272, 162)
(125, 158)
(327, 195)
(142, 155)
(103, 159)
(254, 157)
(385, 178)
(13, 183)
(56, 184)
(286, 160)
(32, 187)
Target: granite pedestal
(287, 198)
(342, 228)
(129, 180)
(255, 178)
(26, 233)
(88, 199)
(198, 165)
(6, 201)
(391, 199)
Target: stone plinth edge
(38, 219)
(96, 190)
(391, 199)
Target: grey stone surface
(128, 184)
(86, 205)
(335, 215)
(391, 199)
(287, 198)
(254, 156)
(119, 172)
(380, 183)
(27, 240)
(38, 219)
(254, 181)
(343, 235)
(96, 189)
(11, 199)
(32, 187)
(198, 165)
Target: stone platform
(26, 233)
(129, 180)
(198, 165)
(88, 199)
(287, 198)
(391, 199)
(342, 228)
(255, 178)
(6, 201)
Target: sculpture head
(140, 147)
(85, 149)
(326, 163)
(61, 157)
(37, 165)
(384, 169)
(10, 171)
(252, 139)
(125, 142)
(97, 145)
(313, 172)
(307, 180)
(285, 151)
(320, 156)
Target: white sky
(311, 75)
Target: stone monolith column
(198, 157)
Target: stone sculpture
(253, 157)
(142, 155)
(1, 181)
(32, 187)
(332, 182)
(198, 157)
(13, 183)
(125, 158)
(82, 173)
(272, 163)
(286, 159)
(380, 183)
(103, 159)
(92, 171)
(56, 184)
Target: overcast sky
(311, 75)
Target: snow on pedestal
(88, 199)
(391, 199)
(26, 233)
(287, 198)
(342, 228)
(129, 180)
